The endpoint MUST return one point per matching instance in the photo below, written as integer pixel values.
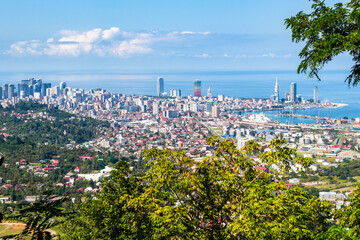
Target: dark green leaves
(327, 32)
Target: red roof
(260, 168)
(5, 135)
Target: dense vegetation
(36, 134)
(221, 197)
(42, 125)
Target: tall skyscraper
(276, 91)
(316, 95)
(44, 87)
(293, 93)
(197, 88)
(11, 93)
(5, 90)
(209, 93)
(62, 87)
(160, 86)
(209, 106)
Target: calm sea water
(234, 84)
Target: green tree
(327, 32)
(350, 217)
(224, 196)
(1, 162)
(39, 217)
(110, 215)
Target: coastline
(339, 105)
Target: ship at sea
(256, 117)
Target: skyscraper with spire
(276, 91)
(209, 93)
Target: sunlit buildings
(160, 86)
(293, 98)
(209, 95)
(316, 94)
(197, 88)
(215, 113)
(175, 93)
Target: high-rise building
(293, 93)
(62, 87)
(175, 93)
(197, 88)
(276, 91)
(160, 86)
(23, 90)
(316, 95)
(1, 93)
(209, 93)
(215, 113)
(5, 90)
(11, 93)
(44, 87)
(209, 106)
(155, 108)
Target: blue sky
(150, 36)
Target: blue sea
(244, 84)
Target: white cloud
(204, 55)
(287, 56)
(100, 42)
(31, 47)
(241, 56)
(110, 33)
(193, 33)
(84, 37)
(272, 55)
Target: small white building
(294, 181)
(107, 170)
(314, 167)
(92, 176)
(331, 196)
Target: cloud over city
(101, 42)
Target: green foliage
(350, 217)
(39, 217)
(327, 32)
(220, 197)
(115, 213)
(1, 162)
(52, 126)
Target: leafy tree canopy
(327, 32)
(224, 196)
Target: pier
(303, 116)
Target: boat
(258, 118)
